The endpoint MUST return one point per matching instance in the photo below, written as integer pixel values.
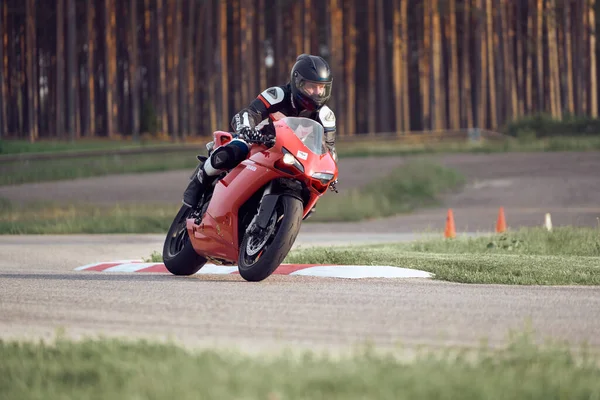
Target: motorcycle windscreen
(310, 132)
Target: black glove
(250, 135)
(333, 186)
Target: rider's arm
(268, 102)
(327, 119)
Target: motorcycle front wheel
(179, 255)
(263, 251)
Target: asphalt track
(40, 292)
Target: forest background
(181, 68)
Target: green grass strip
(56, 146)
(19, 172)
(117, 369)
(566, 256)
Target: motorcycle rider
(305, 95)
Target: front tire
(179, 255)
(262, 252)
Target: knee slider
(222, 158)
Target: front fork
(269, 200)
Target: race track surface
(40, 291)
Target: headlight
(323, 177)
(289, 159)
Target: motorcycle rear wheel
(179, 255)
(259, 256)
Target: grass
(46, 218)
(124, 369)
(17, 172)
(551, 144)
(19, 146)
(71, 168)
(529, 256)
(416, 184)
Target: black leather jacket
(260, 114)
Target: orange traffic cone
(501, 222)
(450, 231)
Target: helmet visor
(317, 91)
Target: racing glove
(250, 135)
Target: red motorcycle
(251, 215)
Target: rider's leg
(222, 159)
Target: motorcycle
(251, 215)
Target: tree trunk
(529, 107)
(172, 78)
(224, 66)
(424, 67)
(453, 100)
(383, 83)
(585, 57)
(480, 100)
(438, 121)
(540, 55)
(261, 40)
(21, 89)
(491, 64)
(406, 66)
(520, 84)
(512, 72)
(72, 73)
(307, 26)
(554, 74)
(466, 96)
(60, 68)
(297, 34)
(179, 73)
(398, 65)
(3, 125)
(350, 64)
(209, 51)
(235, 84)
(150, 75)
(279, 46)
(570, 103)
(162, 69)
(252, 60)
(32, 106)
(245, 52)
(133, 71)
(372, 80)
(192, 107)
(593, 70)
(336, 46)
(507, 35)
(110, 67)
(89, 102)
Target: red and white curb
(320, 270)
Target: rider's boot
(195, 188)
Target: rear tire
(179, 255)
(256, 264)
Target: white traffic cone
(548, 222)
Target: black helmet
(311, 82)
